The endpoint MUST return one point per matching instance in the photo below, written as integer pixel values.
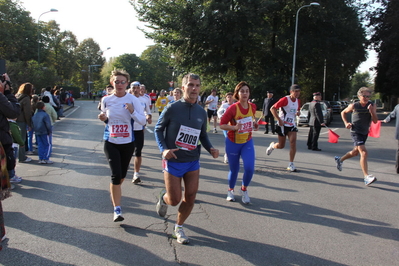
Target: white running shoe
(118, 215)
(291, 167)
(136, 178)
(368, 180)
(161, 206)
(230, 195)
(270, 149)
(15, 179)
(179, 235)
(338, 162)
(225, 158)
(245, 198)
(27, 160)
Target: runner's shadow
(109, 248)
(255, 252)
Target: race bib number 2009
(187, 138)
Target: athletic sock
(178, 226)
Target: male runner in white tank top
(289, 109)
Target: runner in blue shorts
(180, 127)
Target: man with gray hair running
(179, 129)
(363, 112)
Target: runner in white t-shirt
(138, 91)
(170, 96)
(289, 109)
(212, 102)
(120, 112)
(222, 110)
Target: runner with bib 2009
(181, 125)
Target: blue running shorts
(179, 169)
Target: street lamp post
(295, 39)
(102, 52)
(38, 33)
(89, 81)
(171, 83)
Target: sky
(110, 23)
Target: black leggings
(118, 156)
(138, 142)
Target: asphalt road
(61, 214)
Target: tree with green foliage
(360, 80)
(158, 68)
(18, 33)
(105, 74)
(87, 53)
(131, 63)
(152, 68)
(252, 40)
(61, 51)
(385, 41)
(30, 71)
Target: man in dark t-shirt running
(363, 112)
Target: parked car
(330, 111)
(344, 104)
(336, 106)
(303, 118)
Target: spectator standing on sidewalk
(5, 190)
(24, 120)
(34, 101)
(53, 118)
(363, 113)
(18, 143)
(316, 121)
(268, 102)
(60, 108)
(50, 110)
(43, 129)
(47, 92)
(9, 107)
(395, 115)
